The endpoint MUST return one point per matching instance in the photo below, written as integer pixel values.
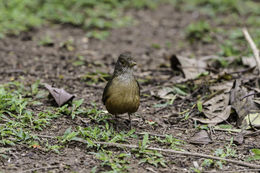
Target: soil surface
(24, 59)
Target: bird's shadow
(120, 124)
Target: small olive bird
(122, 92)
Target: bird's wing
(105, 93)
(139, 87)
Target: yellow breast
(123, 97)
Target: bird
(122, 92)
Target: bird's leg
(130, 123)
(116, 119)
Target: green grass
(220, 23)
(21, 124)
(95, 16)
(18, 120)
(199, 31)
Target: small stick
(44, 168)
(248, 95)
(253, 47)
(182, 153)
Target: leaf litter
(60, 96)
(226, 91)
(201, 137)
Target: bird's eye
(123, 62)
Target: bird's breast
(123, 96)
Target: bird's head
(124, 64)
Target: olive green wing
(106, 93)
(139, 87)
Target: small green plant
(170, 141)
(95, 16)
(227, 151)
(75, 108)
(256, 155)
(96, 115)
(69, 135)
(199, 31)
(101, 35)
(156, 46)
(207, 163)
(46, 41)
(149, 156)
(116, 162)
(16, 115)
(228, 49)
(94, 77)
(80, 61)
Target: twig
(45, 168)
(232, 171)
(248, 95)
(253, 47)
(152, 134)
(182, 153)
(45, 136)
(228, 130)
(243, 71)
(253, 133)
(12, 71)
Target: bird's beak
(132, 64)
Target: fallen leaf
(202, 137)
(226, 86)
(216, 105)
(216, 109)
(239, 139)
(220, 117)
(60, 96)
(252, 120)
(191, 68)
(249, 61)
(241, 101)
(257, 101)
(166, 93)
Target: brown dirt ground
(23, 59)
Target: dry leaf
(220, 117)
(249, 61)
(166, 93)
(191, 68)
(252, 120)
(215, 106)
(241, 101)
(202, 137)
(239, 139)
(226, 86)
(60, 96)
(216, 109)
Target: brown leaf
(166, 93)
(191, 68)
(249, 61)
(216, 109)
(252, 120)
(224, 85)
(239, 139)
(202, 137)
(216, 105)
(241, 101)
(218, 118)
(60, 96)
